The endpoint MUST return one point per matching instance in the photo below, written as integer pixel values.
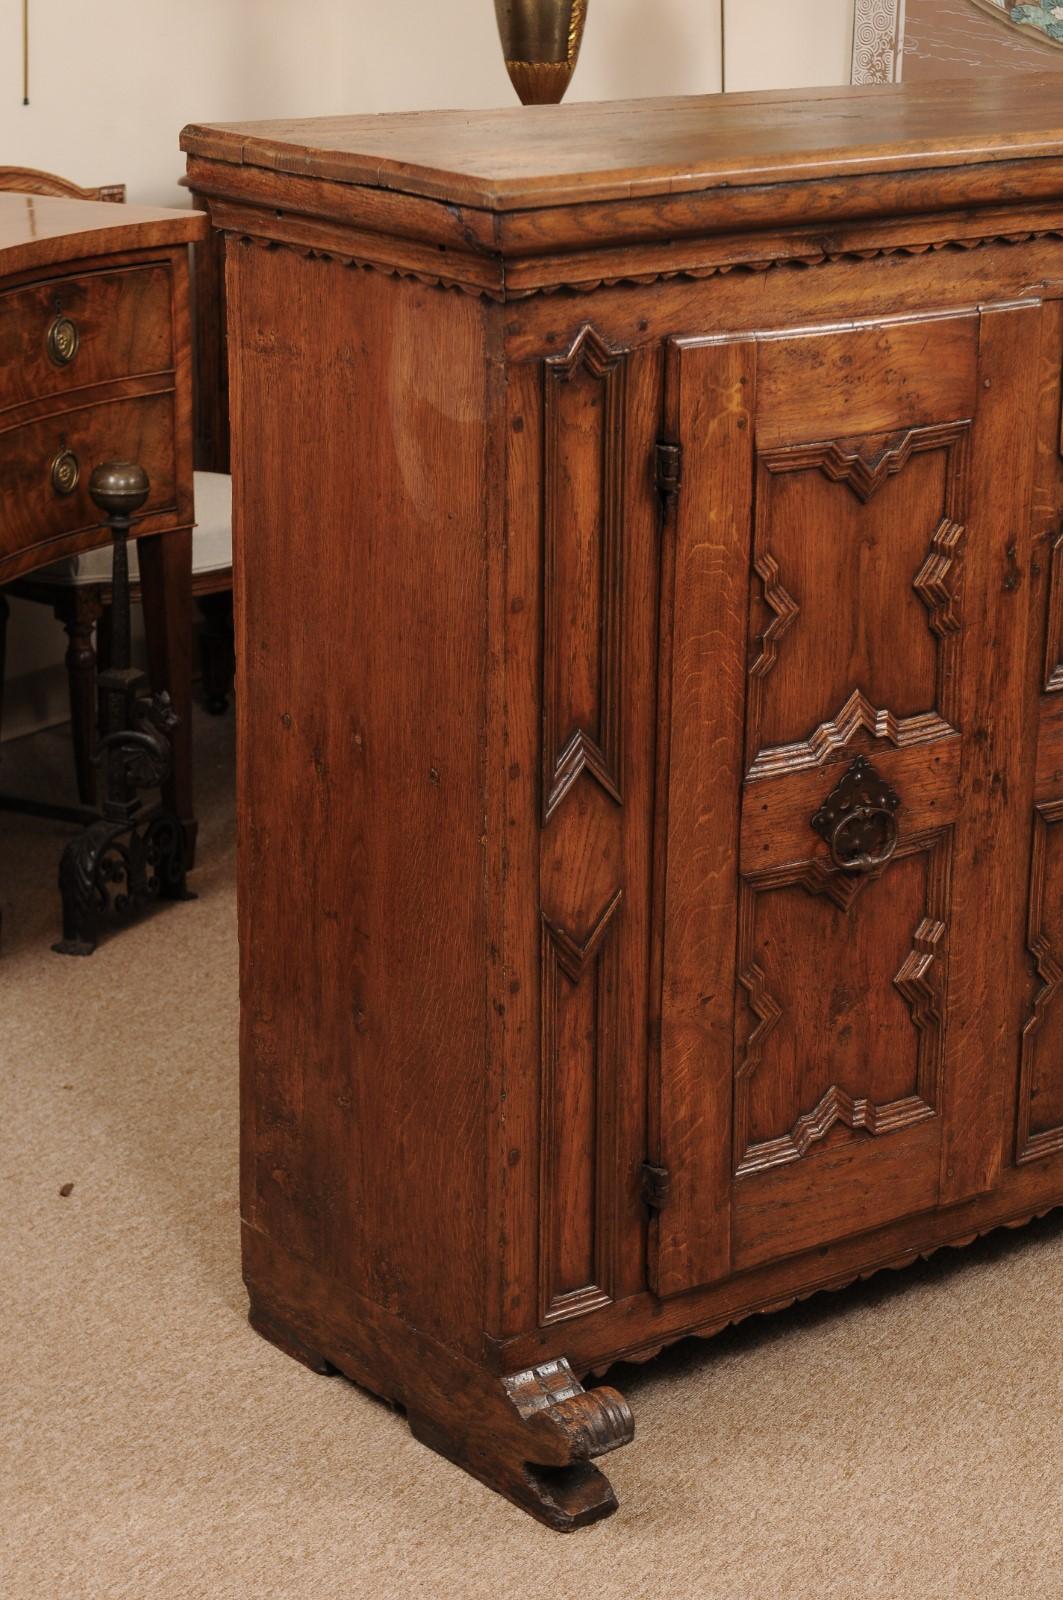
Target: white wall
(409, 54)
(112, 82)
(787, 44)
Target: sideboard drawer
(67, 333)
(45, 466)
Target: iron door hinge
(668, 469)
(656, 1186)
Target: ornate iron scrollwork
(130, 856)
(858, 819)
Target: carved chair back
(27, 180)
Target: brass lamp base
(540, 43)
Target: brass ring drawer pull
(65, 472)
(62, 341)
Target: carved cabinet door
(849, 788)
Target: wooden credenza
(651, 646)
(96, 366)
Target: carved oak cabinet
(651, 645)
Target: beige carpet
(903, 1439)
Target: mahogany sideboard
(95, 365)
(651, 655)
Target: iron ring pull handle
(857, 825)
(858, 819)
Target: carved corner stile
(590, 625)
(568, 965)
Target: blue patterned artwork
(1048, 18)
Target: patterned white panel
(878, 41)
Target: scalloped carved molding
(364, 263)
(799, 259)
(832, 1283)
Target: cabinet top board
(47, 230)
(532, 156)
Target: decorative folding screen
(912, 39)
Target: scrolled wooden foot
(539, 1453)
(532, 1436)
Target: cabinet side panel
(359, 444)
(579, 604)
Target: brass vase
(540, 41)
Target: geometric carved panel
(855, 716)
(864, 588)
(584, 407)
(864, 464)
(577, 1179)
(1040, 1115)
(814, 942)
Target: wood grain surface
(46, 231)
(536, 155)
(565, 618)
